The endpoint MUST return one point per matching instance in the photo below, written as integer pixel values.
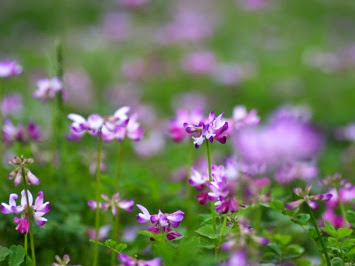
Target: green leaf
(337, 261)
(301, 218)
(17, 255)
(333, 242)
(4, 252)
(344, 232)
(207, 231)
(350, 217)
(293, 251)
(275, 248)
(277, 205)
(207, 243)
(111, 244)
(329, 229)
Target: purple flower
(9, 68)
(290, 171)
(199, 63)
(103, 232)
(18, 172)
(310, 200)
(11, 104)
(150, 145)
(176, 126)
(161, 222)
(37, 210)
(330, 216)
(238, 258)
(112, 203)
(242, 118)
(130, 261)
(134, 3)
(12, 133)
(80, 125)
(210, 129)
(48, 88)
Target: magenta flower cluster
(161, 222)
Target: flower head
(38, 209)
(130, 261)
(21, 171)
(11, 104)
(161, 222)
(48, 88)
(12, 133)
(112, 203)
(103, 232)
(9, 68)
(176, 126)
(211, 128)
(305, 197)
(61, 262)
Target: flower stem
(58, 109)
(25, 244)
(33, 254)
(97, 187)
(210, 180)
(114, 236)
(223, 228)
(313, 220)
(341, 205)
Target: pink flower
(11, 104)
(48, 88)
(242, 118)
(37, 210)
(9, 68)
(112, 203)
(176, 129)
(130, 261)
(199, 63)
(310, 200)
(161, 222)
(209, 129)
(103, 232)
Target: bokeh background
(157, 55)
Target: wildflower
(61, 262)
(306, 198)
(11, 104)
(20, 170)
(37, 210)
(161, 222)
(242, 118)
(9, 68)
(103, 232)
(130, 261)
(151, 145)
(210, 129)
(112, 203)
(199, 63)
(48, 88)
(238, 258)
(80, 125)
(292, 170)
(12, 133)
(330, 216)
(176, 126)
(221, 191)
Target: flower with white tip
(48, 88)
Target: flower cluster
(161, 222)
(48, 88)
(306, 198)
(37, 210)
(117, 126)
(9, 68)
(12, 133)
(11, 104)
(22, 172)
(129, 261)
(112, 203)
(209, 129)
(176, 127)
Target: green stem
(114, 236)
(224, 224)
(25, 244)
(341, 205)
(313, 220)
(119, 164)
(210, 180)
(97, 187)
(33, 254)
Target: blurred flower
(80, 125)
(199, 63)
(232, 74)
(78, 89)
(190, 101)
(346, 133)
(176, 126)
(48, 88)
(330, 216)
(290, 171)
(9, 68)
(242, 118)
(11, 104)
(11, 133)
(238, 258)
(61, 262)
(130, 261)
(112, 203)
(115, 27)
(253, 5)
(37, 210)
(161, 222)
(304, 194)
(151, 145)
(209, 129)
(283, 139)
(103, 232)
(133, 3)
